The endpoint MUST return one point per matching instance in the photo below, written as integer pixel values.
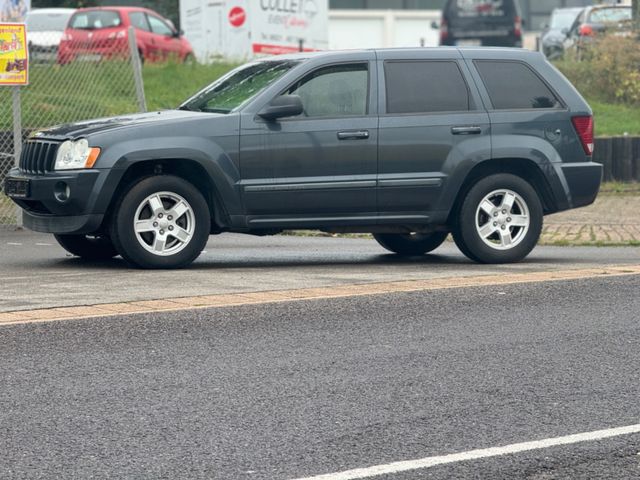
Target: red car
(97, 33)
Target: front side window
(139, 21)
(236, 88)
(335, 91)
(425, 87)
(159, 26)
(515, 86)
(95, 20)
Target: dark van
(489, 23)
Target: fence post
(17, 140)
(136, 63)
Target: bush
(607, 70)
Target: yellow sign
(13, 54)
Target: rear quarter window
(515, 86)
(428, 86)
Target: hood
(89, 127)
(45, 39)
(553, 37)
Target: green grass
(106, 89)
(615, 119)
(168, 85)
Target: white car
(45, 27)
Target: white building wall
(382, 28)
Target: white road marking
(44, 244)
(428, 462)
(14, 243)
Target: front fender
(221, 167)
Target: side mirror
(282, 106)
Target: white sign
(242, 29)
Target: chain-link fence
(95, 74)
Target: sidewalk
(612, 220)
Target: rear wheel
(410, 244)
(161, 222)
(90, 247)
(499, 220)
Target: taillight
(585, 31)
(66, 37)
(444, 30)
(517, 27)
(584, 129)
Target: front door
(320, 166)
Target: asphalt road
(36, 273)
(288, 390)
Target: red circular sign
(237, 16)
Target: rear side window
(515, 86)
(425, 87)
(95, 20)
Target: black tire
(505, 242)
(410, 244)
(89, 247)
(139, 249)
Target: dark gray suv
(406, 144)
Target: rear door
(431, 121)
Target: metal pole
(137, 70)
(17, 140)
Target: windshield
(234, 89)
(95, 19)
(563, 19)
(43, 22)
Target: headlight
(73, 155)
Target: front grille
(38, 156)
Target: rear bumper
(582, 182)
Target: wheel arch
(524, 168)
(185, 168)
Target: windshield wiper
(215, 110)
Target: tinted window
(334, 91)
(139, 21)
(513, 85)
(480, 8)
(158, 26)
(425, 87)
(95, 19)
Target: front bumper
(58, 202)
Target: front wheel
(161, 222)
(410, 244)
(499, 220)
(89, 247)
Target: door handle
(466, 130)
(353, 135)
